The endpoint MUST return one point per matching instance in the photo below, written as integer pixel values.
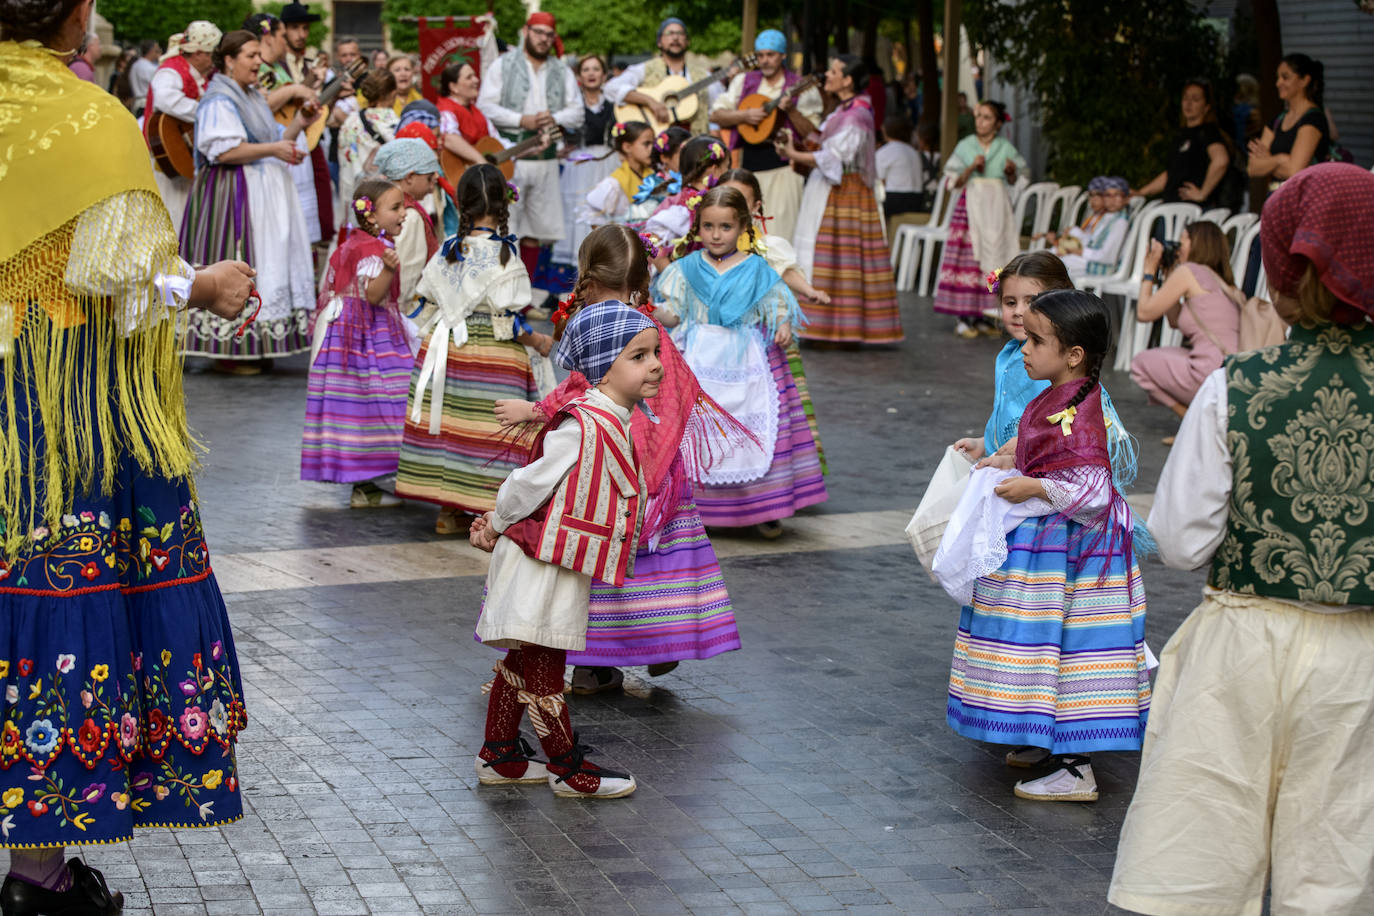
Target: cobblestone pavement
(812, 771)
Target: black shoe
(88, 896)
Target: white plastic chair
(1073, 215)
(1234, 227)
(1134, 204)
(1240, 252)
(1135, 336)
(915, 242)
(1038, 194)
(1217, 215)
(1064, 199)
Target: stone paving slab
(810, 772)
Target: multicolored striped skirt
(853, 265)
(793, 480)
(1049, 656)
(214, 226)
(794, 362)
(355, 406)
(674, 608)
(962, 288)
(464, 465)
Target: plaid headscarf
(1322, 215)
(1098, 185)
(595, 335)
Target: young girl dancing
(613, 199)
(665, 178)
(476, 350)
(1050, 651)
(676, 606)
(782, 257)
(412, 165)
(737, 316)
(361, 358)
(572, 514)
(703, 161)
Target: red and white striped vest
(591, 523)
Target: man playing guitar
(671, 61)
(781, 185)
(175, 91)
(524, 91)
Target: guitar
(172, 142)
(328, 94)
(678, 95)
(500, 156)
(759, 133)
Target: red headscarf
(1322, 215)
(548, 22)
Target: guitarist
(526, 90)
(175, 91)
(671, 61)
(781, 184)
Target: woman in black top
(1200, 156)
(1302, 135)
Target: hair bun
(22, 20)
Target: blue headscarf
(1098, 184)
(596, 335)
(771, 40)
(398, 158)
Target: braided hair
(612, 257)
(730, 199)
(667, 143)
(482, 192)
(699, 156)
(1079, 319)
(33, 20)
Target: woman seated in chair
(1200, 156)
(1201, 300)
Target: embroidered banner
(445, 41)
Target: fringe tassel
(90, 384)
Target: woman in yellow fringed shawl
(122, 697)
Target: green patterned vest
(1301, 438)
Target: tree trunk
(1268, 31)
(808, 29)
(949, 107)
(929, 70)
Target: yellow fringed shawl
(67, 147)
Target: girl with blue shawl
(734, 316)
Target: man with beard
(671, 61)
(175, 90)
(527, 90)
(781, 185)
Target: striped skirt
(464, 465)
(356, 397)
(794, 362)
(674, 608)
(794, 478)
(962, 287)
(853, 265)
(1046, 655)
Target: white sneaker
(1027, 757)
(513, 752)
(1073, 782)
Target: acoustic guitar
(500, 156)
(760, 132)
(173, 145)
(328, 94)
(678, 95)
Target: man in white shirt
(141, 73)
(175, 91)
(780, 183)
(528, 90)
(671, 61)
(899, 168)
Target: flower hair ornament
(651, 244)
(661, 142)
(617, 130)
(512, 192)
(717, 153)
(265, 26)
(363, 207)
(994, 281)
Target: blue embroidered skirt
(122, 697)
(1051, 653)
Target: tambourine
(252, 297)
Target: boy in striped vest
(571, 514)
